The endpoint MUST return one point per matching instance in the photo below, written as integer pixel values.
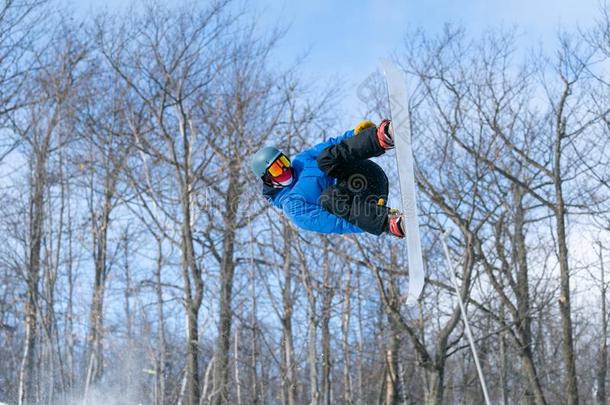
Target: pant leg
(334, 159)
(355, 197)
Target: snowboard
(399, 112)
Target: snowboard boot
(396, 223)
(385, 134)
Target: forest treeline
(139, 262)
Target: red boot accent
(385, 134)
(396, 225)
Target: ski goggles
(279, 165)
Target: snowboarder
(333, 187)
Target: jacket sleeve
(313, 217)
(314, 151)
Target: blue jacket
(301, 200)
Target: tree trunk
(49, 328)
(227, 270)
(524, 322)
(312, 326)
(236, 346)
(503, 360)
(128, 288)
(327, 298)
(190, 275)
(360, 371)
(95, 366)
(391, 392)
(564, 269)
(69, 324)
(565, 306)
(289, 383)
(36, 216)
(312, 357)
(434, 386)
(345, 327)
(391, 385)
(162, 350)
(192, 355)
(253, 342)
(602, 358)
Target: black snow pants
(360, 182)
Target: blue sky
(345, 40)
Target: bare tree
(253, 106)
(22, 24)
(168, 67)
(105, 139)
(485, 110)
(37, 126)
